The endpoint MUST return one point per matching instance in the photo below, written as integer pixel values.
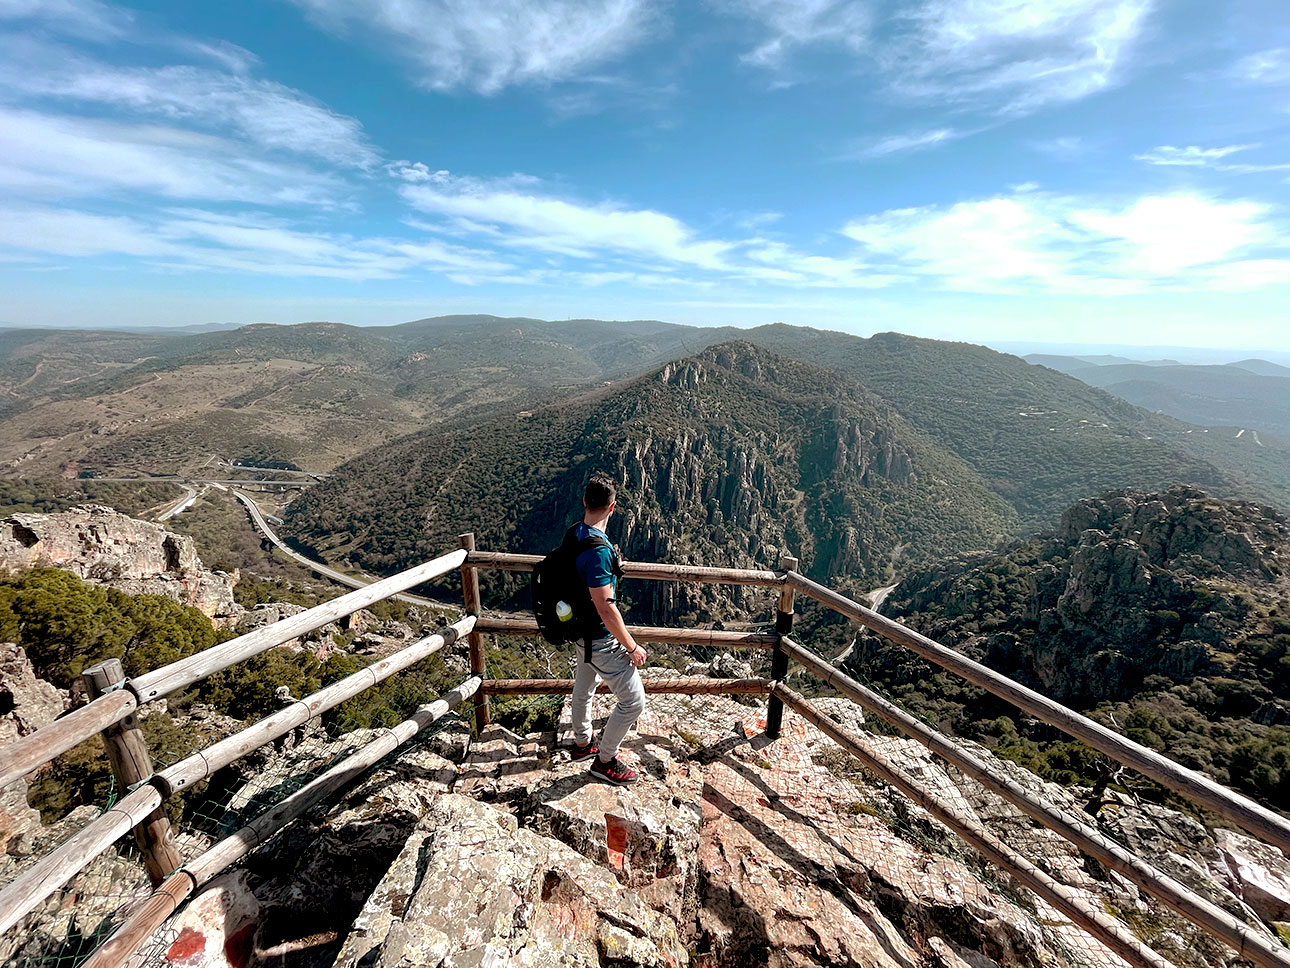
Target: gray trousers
(608, 662)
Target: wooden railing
(112, 710)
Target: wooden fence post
(779, 658)
(470, 596)
(127, 751)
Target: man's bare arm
(603, 599)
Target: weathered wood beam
(177, 675)
(645, 633)
(683, 687)
(127, 752)
(1257, 819)
(152, 913)
(200, 765)
(659, 571)
(471, 598)
(1110, 931)
(1249, 942)
(36, 749)
(29, 890)
(30, 752)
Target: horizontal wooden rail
(644, 633)
(1258, 820)
(204, 763)
(36, 749)
(29, 890)
(505, 561)
(1110, 931)
(1251, 943)
(151, 913)
(177, 675)
(58, 737)
(683, 687)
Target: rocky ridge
(730, 851)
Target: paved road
(349, 580)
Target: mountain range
(1251, 395)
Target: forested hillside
(1041, 439)
(730, 456)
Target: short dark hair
(601, 491)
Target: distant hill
(1263, 367)
(730, 456)
(1041, 439)
(1069, 364)
(316, 394)
(1209, 396)
(1162, 613)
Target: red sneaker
(577, 752)
(612, 772)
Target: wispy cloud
(1006, 56)
(462, 44)
(1034, 242)
(87, 19)
(265, 113)
(59, 155)
(193, 239)
(1212, 158)
(790, 25)
(899, 143)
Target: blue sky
(1075, 170)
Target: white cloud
(1196, 157)
(455, 44)
(1191, 156)
(898, 143)
(1013, 56)
(793, 24)
(1037, 242)
(1270, 67)
(192, 239)
(567, 228)
(88, 19)
(59, 155)
(267, 114)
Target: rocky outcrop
(103, 546)
(27, 702)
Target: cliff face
(100, 545)
(733, 456)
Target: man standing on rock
(608, 652)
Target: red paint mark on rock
(238, 946)
(616, 841)
(188, 943)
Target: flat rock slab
(492, 893)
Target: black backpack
(555, 579)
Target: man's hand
(603, 599)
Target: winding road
(317, 567)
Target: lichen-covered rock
(1256, 873)
(101, 545)
(493, 893)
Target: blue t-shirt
(595, 568)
